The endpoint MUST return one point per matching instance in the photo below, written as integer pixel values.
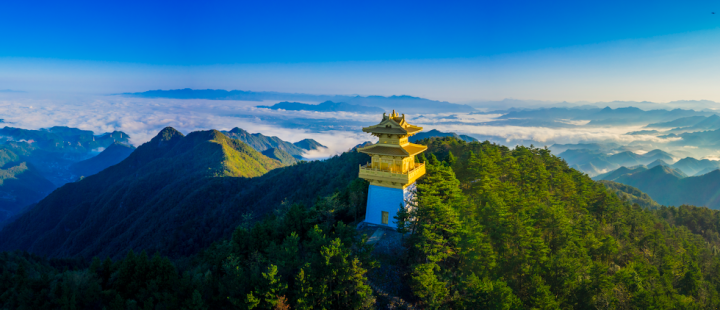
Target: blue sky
(459, 51)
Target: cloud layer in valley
(143, 118)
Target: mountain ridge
(113, 154)
(671, 187)
(262, 142)
(190, 189)
(327, 106)
(389, 103)
(438, 134)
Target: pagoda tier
(393, 157)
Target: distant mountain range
(596, 162)
(703, 139)
(692, 166)
(607, 147)
(438, 134)
(564, 117)
(261, 142)
(538, 104)
(175, 194)
(327, 106)
(21, 184)
(63, 139)
(35, 162)
(670, 186)
(111, 156)
(417, 105)
(692, 123)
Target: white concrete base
(385, 199)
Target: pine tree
(196, 302)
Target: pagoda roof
(407, 150)
(393, 124)
(414, 149)
(396, 131)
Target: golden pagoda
(392, 171)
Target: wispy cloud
(556, 135)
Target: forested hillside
(262, 143)
(302, 256)
(438, 134)
(174, 194)
(284, 157)
(631, 194)
(498, 228)
(491, 228)
(21, 184)
(112, 155)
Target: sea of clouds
(143, 118)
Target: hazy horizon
(472, 52)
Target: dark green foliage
(277, 154)
(518, 229)
(298, 257)
(439, 134)
(699, 220)
(631, 194)
(491, 228)
(307, 258)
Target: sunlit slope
(262, 142)
(174, 194)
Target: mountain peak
(167, 134)
(238, 130)
(657, 162)
(309, 144)
(660, 169)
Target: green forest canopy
(492, 228)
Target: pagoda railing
(394, 178)
(419, 167)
